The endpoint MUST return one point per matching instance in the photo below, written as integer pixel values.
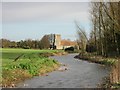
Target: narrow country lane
(80, 74)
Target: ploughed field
(20, 64)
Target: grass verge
(21, 64)
(97, 59)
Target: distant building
(56, 42)
(68, 43)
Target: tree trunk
(119, 28)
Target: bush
(69, 49)
(91, 48)
(26, 47)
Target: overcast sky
(23, 20)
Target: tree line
(105, 33)
(43, 43)
(104, 39)
(106, 28)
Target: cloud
(32, 11)
(46, 0)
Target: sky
(32, 20)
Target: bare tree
(105, 18)
(82, 38)
(44, 43)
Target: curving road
(80, 74)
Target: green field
(19, 64)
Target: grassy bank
(97, 59)
(111, 86)
(20, 64)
